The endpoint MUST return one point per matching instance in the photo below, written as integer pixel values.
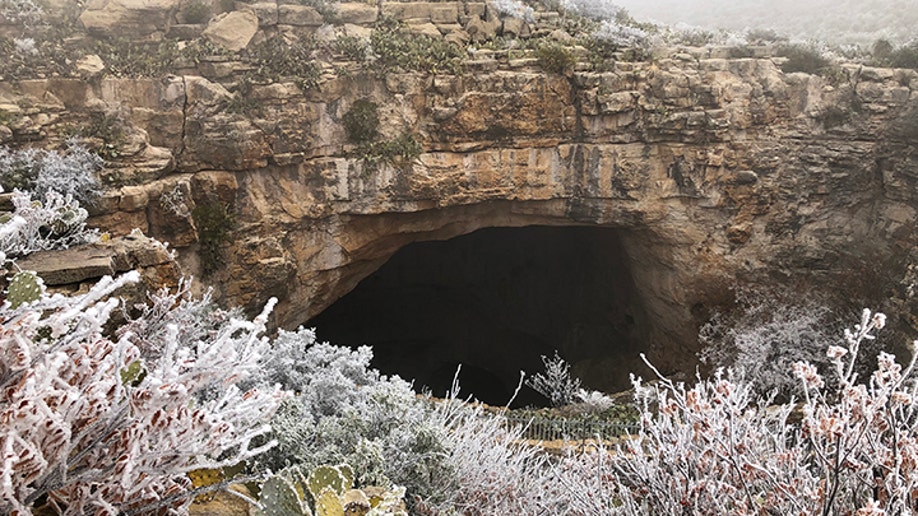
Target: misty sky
(834, 21)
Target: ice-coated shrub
(614, 33)
(56, 222)
(765, 336)
(72, 172)
(595, 9)
(556, 383)
(346, 412)
(96, 424)
(26, 12)
(514, 8)
(719, 448)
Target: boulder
(89, 66)
(480, 30)
(232, 31)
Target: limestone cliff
(717, 171)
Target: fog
(833, 21)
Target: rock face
(715, 172)
(134, 17)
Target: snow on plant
(26, 12)
(491, 469)
(71, 172)
(613, 32)
(514, 8)
(346, 412)
(595, 9)
(556, 383)
(175, 201)
(96, 424)
(769, 334)
(25, 46)
(719, 448)
(57, 223)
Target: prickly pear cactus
(338, 478)
(328, 503)
(25, 287)
(279, 498)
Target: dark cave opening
(497, 300)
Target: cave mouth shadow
(497, 300)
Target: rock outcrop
(716, 171)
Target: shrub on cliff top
(555, 58)
(395, 49)
(802, 58)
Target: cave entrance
(495, 301)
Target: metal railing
(569, 429)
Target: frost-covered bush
(613, 33)
(718, 448)
(72, 172)
(514, 8)
(765, 336)
(26, 12)
(95, 424)
(556, 383)
(595, 9)
(346, 412)
(57, 222)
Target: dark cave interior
(495, 301)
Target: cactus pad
(25, 287)
(328, 503)
(337, 478)
(279, 498)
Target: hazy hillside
(834, 21)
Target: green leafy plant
(214, 223)
(361, 122)
(125, 57)
(352, 47)
(555, 58)
(274, 59)
(397, 49)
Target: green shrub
(905, 57)
(213, 221)
(882, 51)
(32, 57)
(396, 50)
(399, 151)
(196, 11)
(555, 58)
(802, 58)
(362, 122)
(352, 47)
(126, 58)
(274, 60)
